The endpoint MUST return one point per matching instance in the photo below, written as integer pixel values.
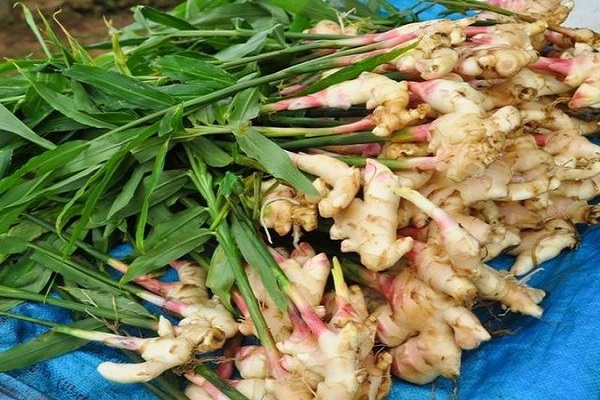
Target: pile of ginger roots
(492, 126)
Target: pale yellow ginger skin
(551, 11)
(503, 287)
(419, 307)
(391, 113)
(379, 379)
(512, 34)
(343, 181)
(432, 58)
(535, 212)
(585, 189)
(526, 84)
(426, 328)
(329, 27)
(493, 184)
(400, 150)
(160, 354)
(465, 253)
(369, 226)
(202, 311)
(285, 210)
(544, 244)
(468, 143)
(434, 268)
(361, 91)
(492, 62)
(251, 362)
(309, 277)
(256, 389)
(423, 358)
(532, 169)
(454, 96)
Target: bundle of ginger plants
(421, 151)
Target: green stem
(29, 319)
(332, 140)
(392, 163)
(203, 182)
(11, 293)
(224, 387)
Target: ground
(17, 39)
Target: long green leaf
(170, 248)
(220, 277)
(212, 154)
(259, 258)
(244, 107)
(165, 19)
(105, 299)
(251, 46)
(25, 274)
(171, 223)
(274, 159)
(128, 190)
(65, 105)
(44, 347)
(312, 9)
(186, 69)
(130, 90)
(10, 123)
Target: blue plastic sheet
(555, 357)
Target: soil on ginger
(83, 19)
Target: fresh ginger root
(369, 226)
(161, 353)
(343, 180)
(286, 210)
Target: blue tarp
(554, 357)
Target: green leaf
(212, 154)
(165, 19)
(171, 184)
(25, 274)
(256, 254)
(6, 156)
(12, 245)
(274, 159)
(11, 86)
(312, 9)
(130, 90)
(171, 123)
(170, 248)
(46, 162)
(244, 107)
(53, 260)
(127, 192)
(172, 223)
(186, 69)
(46, 346)
(65, 105)
(223, 15)
(10, 123)
(220, 277)
(157, 170)
(108, 300)
(353, 71)
(34, 28)
(251, 46)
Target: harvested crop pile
(310, 200)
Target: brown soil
(86, 25)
